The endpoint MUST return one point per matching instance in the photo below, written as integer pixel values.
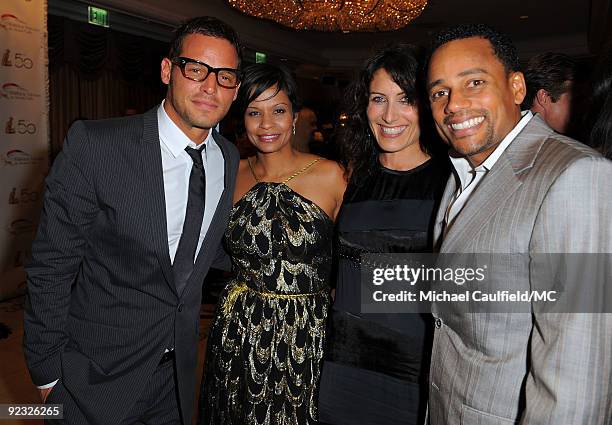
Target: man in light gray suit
(519, 188)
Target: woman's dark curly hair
(357, 145)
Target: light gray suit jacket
(546, 194)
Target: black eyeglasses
(198, 71)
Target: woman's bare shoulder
(331, 170)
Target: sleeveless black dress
(376, 365)
(265, 347)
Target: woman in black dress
(376, 365)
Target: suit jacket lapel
(153, 184)
(497, 186)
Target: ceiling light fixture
(335, 15)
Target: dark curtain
(95, 72)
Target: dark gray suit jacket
(102, 305)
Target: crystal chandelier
(334, 15)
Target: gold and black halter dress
(266, 343)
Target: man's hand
(45, 393)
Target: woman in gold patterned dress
(266, 343)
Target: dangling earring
(294, 129)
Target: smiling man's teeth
(467, 124)
(393, 130)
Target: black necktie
(185, 253)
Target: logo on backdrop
(23, 196)
(17, 60)
(14, 91)
(21, 226)
(12, 22)
(13, 126)
(19, 157)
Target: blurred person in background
(550, 81)
(305, 128)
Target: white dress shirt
(470, 177)
(176, 167)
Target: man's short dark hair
(549, 71)
(502, 45)
(204, 25)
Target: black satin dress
(376, 365)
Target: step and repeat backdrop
(24, 134)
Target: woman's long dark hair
(598, 125)
(357, 145)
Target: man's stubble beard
(476, 148)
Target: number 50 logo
(21, 127)
(18, 60)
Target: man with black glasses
(134, 212)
